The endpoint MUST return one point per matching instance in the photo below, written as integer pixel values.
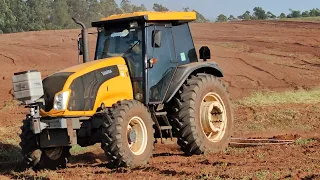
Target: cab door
(164, 62)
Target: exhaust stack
(85, 41)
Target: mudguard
(184, 71)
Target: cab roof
(149, 16)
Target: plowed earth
(254, 56)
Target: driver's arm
(105, 48)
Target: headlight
(61, 100)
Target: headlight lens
(61, 100)
(60, 97)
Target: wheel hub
(137, 136)
(213, 117)
(132, 136)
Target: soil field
(255, 56)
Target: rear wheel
(203, 115)
(128, 134)
(41, 158)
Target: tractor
(145, 85)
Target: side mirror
(205, 53)
(156, 38)
(80, 46)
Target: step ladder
(156, 116)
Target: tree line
(36, 15)
(260, 14)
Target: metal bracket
(37, 126)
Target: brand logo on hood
(106, 72)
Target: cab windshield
(118, 40)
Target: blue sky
(212, 8)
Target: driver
(135, 58)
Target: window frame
(173, 61)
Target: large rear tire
(203, 115)
(128, 134)
(41, 158)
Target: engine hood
(93, 65)
(80, 78)
(85, 68)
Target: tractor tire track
(12, 59)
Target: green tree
(142, 7)
(60, 15)
(186, 9)
(221, 18)
(305, 14)
(94, 11)
(282, 16)
(231, 17)
(200, 17)
(20, 11)
(109, 7)
(159, 8)
(295, 13)
(245, 16)
(39, 14)
(271, 15)
(78, 9)
(259, 13)
(7, 18)
(128, 7)
(314, 12)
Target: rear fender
(183, 72)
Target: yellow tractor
(144, 84)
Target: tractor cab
(153, 45)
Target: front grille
(52, 85)
(84, 89)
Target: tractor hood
(83, 82)
(93, 65)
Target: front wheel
(41, 158)
(203, 116)
(128, 134)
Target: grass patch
(276, 98)
(302, 141)
(231, 45)
(261, 156)
(277, 119)
(76, 150)
(10, 133)
(279, 111)
(235, 151)
(41, 175)
(303, 19)
(262, 175)
(9, 104)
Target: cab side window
(184, 46)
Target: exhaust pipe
(85, 41)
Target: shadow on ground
(11, 158)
